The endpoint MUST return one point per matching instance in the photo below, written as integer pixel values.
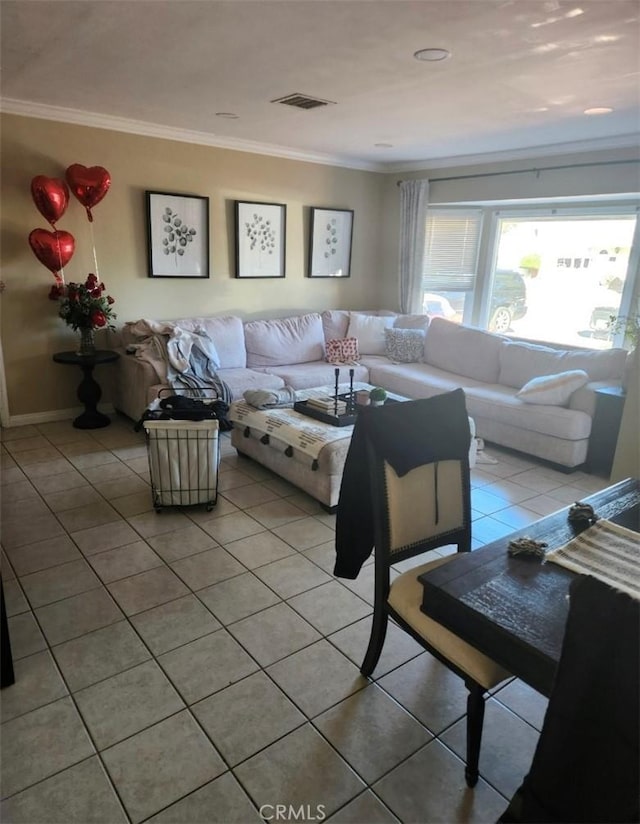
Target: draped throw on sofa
(414, 198)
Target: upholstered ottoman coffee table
(304, 451)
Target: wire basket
(183, 462)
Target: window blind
(452, 239)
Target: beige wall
(31, 330)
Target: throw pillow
(404, 345)
(342, 350)
(369, 330)
(554, 390)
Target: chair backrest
(427, 507)
(429, 504)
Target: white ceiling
(520, 75)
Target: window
(452, 240)
(551, 274)
(532, 296)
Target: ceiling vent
(302, 101)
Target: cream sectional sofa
(491, 369)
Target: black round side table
(89, 392)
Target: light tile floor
(191, 666)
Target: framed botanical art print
(178, 235)
(260, 239)
(330, 243)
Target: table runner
(606, 551)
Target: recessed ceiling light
(598, 110)
(228, 115)
(432, 55)
(383, 145)
(574, 13)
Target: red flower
(83, 305)
(98, 318)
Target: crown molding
(94, 120)
(625, 141)
(43, 111)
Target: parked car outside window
(437, 306)
(508, 300)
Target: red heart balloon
(51, 197)
(88, 185)
(53, 249)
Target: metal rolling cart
(184, 456)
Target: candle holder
(351, 402)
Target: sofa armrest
(584, 399)
(133, 377)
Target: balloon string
(95, 257)
(59, 275)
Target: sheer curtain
(414, 198)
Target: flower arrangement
(84, 305)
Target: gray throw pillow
(404, 345)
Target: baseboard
(33, 418)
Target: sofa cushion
(500, 405)
(369, 330)
(308, 375)
(412, 322)
(463, 350)
(599, 364)
(239, 380)
(554, 390)
(404, 345)
(283, 341)
(520, 362)
(414, 380)
(227, 334)
(335, 322)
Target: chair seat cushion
(405, 598)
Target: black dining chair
(586, 767)
(417, 457)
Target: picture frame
(260, 239)
(177, 235)
(331, 234)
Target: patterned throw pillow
(553, 390)
(342, 350)
(404, 345)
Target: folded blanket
(270, 399)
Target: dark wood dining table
(514, 608)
